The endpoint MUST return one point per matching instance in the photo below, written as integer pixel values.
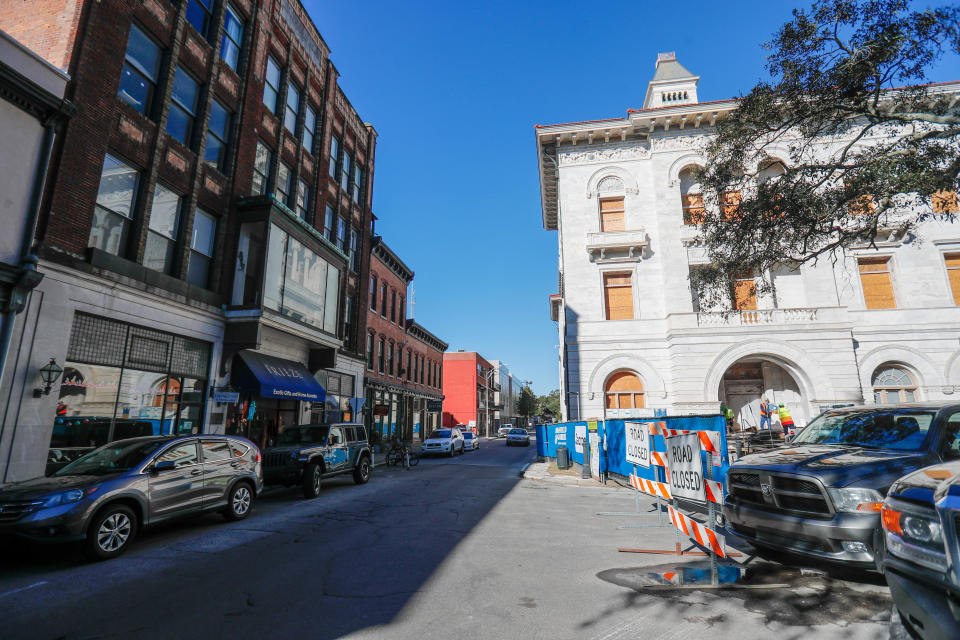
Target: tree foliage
(527, 404)
(549, 405)
(845, 140)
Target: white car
(443, 441)
(504, 430)
(470, 441)
(518, 436)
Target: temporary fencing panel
(614, 460)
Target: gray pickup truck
(307, 454)
(820, 495)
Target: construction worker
(786, 421)
(765, 410)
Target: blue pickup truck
(921, 562)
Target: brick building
(404, 360)
(469, 391)
(206, 226)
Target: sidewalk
(548, 472)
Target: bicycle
(398, 451)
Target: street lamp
(49, 373)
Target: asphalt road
(453, 548)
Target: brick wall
(46, 27)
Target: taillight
(257, 459)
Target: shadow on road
(347, 561)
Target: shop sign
(686, 471)
(434, 405)
(592, 425)
(381, 409)
(228, 397)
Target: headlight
(856, 500)
(66, 497)
(915, 537)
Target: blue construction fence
(613, 446)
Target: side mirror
(164, 465)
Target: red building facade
(403, 359)
(211, 199)
(468, 390)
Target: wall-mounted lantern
(50, 373)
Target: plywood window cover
(618, 296)
(624, 390)
(612, 214)
(693, 209)
(877, 283)
(952, 262)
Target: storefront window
(122, 381)
(299, 283)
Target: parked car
(504, 430)
(308, 454)
(444, 441)
(821, 494)
(470, 441)
(104, 497)
(921, 520)
(518, 436)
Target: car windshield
(518, 432)
(903, 429)
(441, 433)
(111, 458)
(304, 435)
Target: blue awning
(268, 377)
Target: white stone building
(881, 324)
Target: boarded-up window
(861, 206)
(618, 296)
(611, 215)
(624, 390)
(945, 202)
(729, 204)
(744, 293)
(877, 284)
(692, 208)
(953, 272)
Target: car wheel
(312, 480)
(362, 473)
(239, 502)
(452, 452)
(110, 532)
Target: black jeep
(307, 454)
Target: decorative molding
(130, 129)
(604, 153)
(629, 183)
(177, 161)
(681, 163)
(697, 142)
(158, 12)
(269, 123)
(213, 186)
(197, 49)
(228, 83)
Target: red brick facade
(89, 39)
(468, 389)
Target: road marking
(29, 586)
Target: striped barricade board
(695, 531)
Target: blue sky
(454, 90)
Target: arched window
(624, 390)
(169, 388)
(691, 197)
(893, 384)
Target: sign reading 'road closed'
(638, 443)
(686, 471)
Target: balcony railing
(754, 317)
(617, 246)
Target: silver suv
(105, 496)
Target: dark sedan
(105, 496)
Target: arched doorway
(749, 380)
(623, 391)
